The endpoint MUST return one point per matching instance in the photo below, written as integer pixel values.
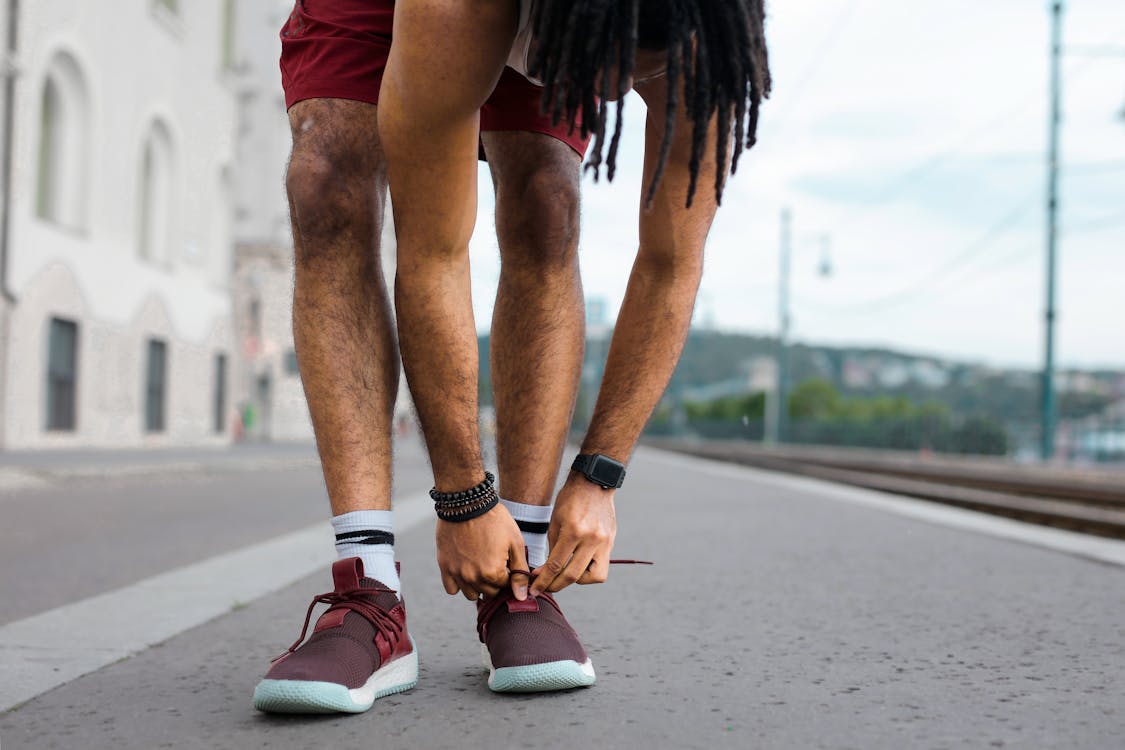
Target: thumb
(517, 560)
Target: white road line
(12, 479)
(1101, 549)
(46, 650)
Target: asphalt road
(781, 613)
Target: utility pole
(777, 410)
(8, 73)
(1048, 414)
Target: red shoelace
(357, 601)
(491, 604)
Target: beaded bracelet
(458, 498)
(466, 504)
(468, 511)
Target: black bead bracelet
(466, 505)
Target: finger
(573, 570)
(488, 584)
(598, 570)
(469, 592)
(548, 571)
(451, 584)
(552, 532)
(517, 560)
(489, 590)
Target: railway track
(1088, 501)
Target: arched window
(219, 252)
(154, 209)
(64, 127)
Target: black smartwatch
(601, 470)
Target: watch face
(605, 471)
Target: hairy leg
(446, 57)
(538, 323)
(342, 321)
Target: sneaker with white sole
(529, 646)
(359, 651)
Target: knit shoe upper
(530, 647)
(359, 651)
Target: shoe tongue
(384, 599)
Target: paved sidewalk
(29, 470)
(781, 613)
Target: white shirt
(521, 45)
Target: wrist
(598, 469)
(466, 505)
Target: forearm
(656, 313)
(647, 341)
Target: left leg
(536, 350)
(538, 323)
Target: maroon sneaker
(529, 646)
(359, 651)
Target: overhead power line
(924, 285)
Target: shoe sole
(311, 697)
(539, 678)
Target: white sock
(533, 521)
(369, 535)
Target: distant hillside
(745, 362)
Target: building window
(62, 374)
(220, 393)
(155, 385)
(154, 210)
(172, 6)
(291, 367)
(61, 189)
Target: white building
(118, 255)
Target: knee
(330, 196)
(538, 222)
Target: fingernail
(521, 593)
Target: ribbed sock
(369, 535)
(533, 521)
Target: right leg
(342, 321)
(331, 63)
(342, 327)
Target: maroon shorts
(338, 49)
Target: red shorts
(338, 49)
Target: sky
(911, 139)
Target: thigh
(445, 60)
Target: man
(447, 56)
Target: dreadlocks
(717, 48)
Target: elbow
(670, 266)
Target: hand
(583, 527)
(475, 556)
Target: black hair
(716, 47)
